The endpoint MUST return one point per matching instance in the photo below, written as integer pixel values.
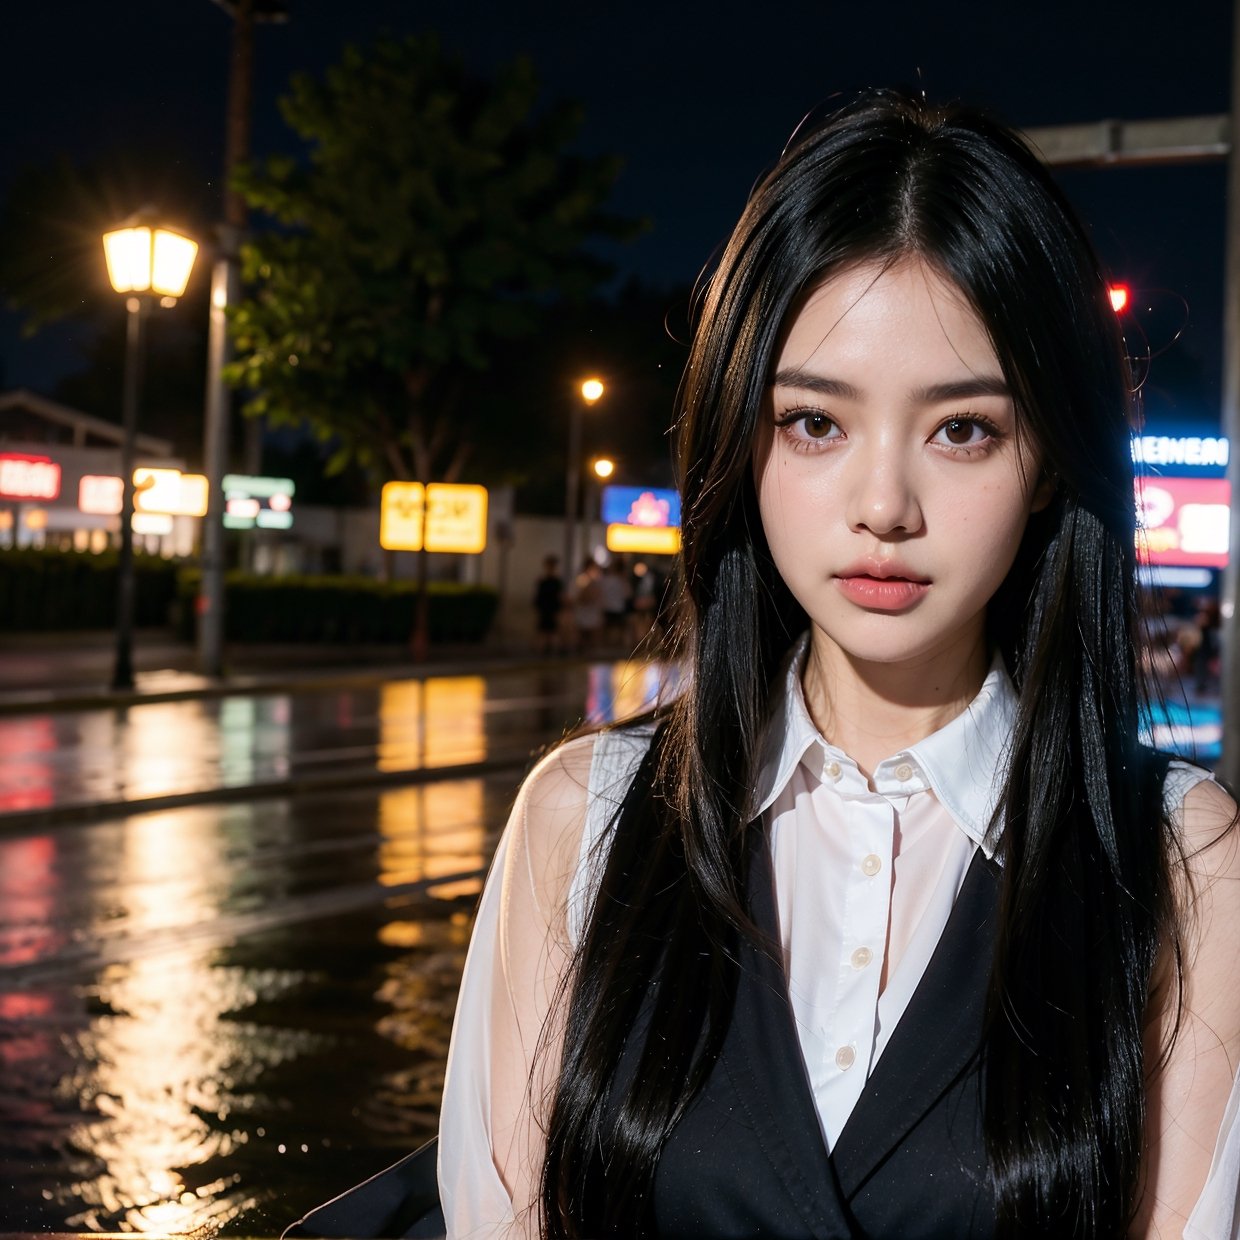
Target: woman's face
(893, 489)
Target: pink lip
(881, 586)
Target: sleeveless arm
(504, 1055)
(1192, 1160)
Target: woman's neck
(872, 710)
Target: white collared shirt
(866, 872)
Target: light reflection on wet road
(219, 1015)
(177, 748)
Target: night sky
(698, 99)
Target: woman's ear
(1044, 492)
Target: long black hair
(1085, 904)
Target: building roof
(77, 420)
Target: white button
(844, 1058)
(861, 957)
(833, 770)
(871, 865)
(904, 771)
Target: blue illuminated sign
(1181, 455)
(648, 507)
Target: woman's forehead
(903, 314)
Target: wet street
(229, 999)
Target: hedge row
(72, 590)
(68, 591)
(342, 609)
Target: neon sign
(455, 520)
(1183, 521)
(101, 494)
(28, 477)
(647, 507)
(252, 500)
(1198, 451)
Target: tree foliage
(436, 214)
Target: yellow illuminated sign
(646, 539)
(169, 492)
(456, 519)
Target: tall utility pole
(1229, 768)
(226, 292)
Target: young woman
(889, 926)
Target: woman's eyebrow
(962, 389)
(794, 377)
(934, 393)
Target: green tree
(437, 214)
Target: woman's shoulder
(585, 768)
(1208, 818)
(1180, 777)
(566, 803)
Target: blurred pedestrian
(1206, 656)
(587, 606)
(646, 586)
(548, 606)
(615, 593)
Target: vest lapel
(915, 1070)
(762, 1059)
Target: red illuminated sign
(1183, 521)
(28, 477)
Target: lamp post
(601, 468)
(591, 389)
(147, 263)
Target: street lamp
(149, 263)
(591, 390)
(601, 468)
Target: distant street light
(601, 468)
(150, 264)
(591, 390)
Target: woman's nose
(882, 496)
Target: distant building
(59, 467)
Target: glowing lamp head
(1119, 297)
(591, 390)
(142, 259)
(604, 467)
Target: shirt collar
(963, 763)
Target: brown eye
(959, 431)
(818, 425)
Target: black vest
(748, 1158)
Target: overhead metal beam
(1109, 144)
